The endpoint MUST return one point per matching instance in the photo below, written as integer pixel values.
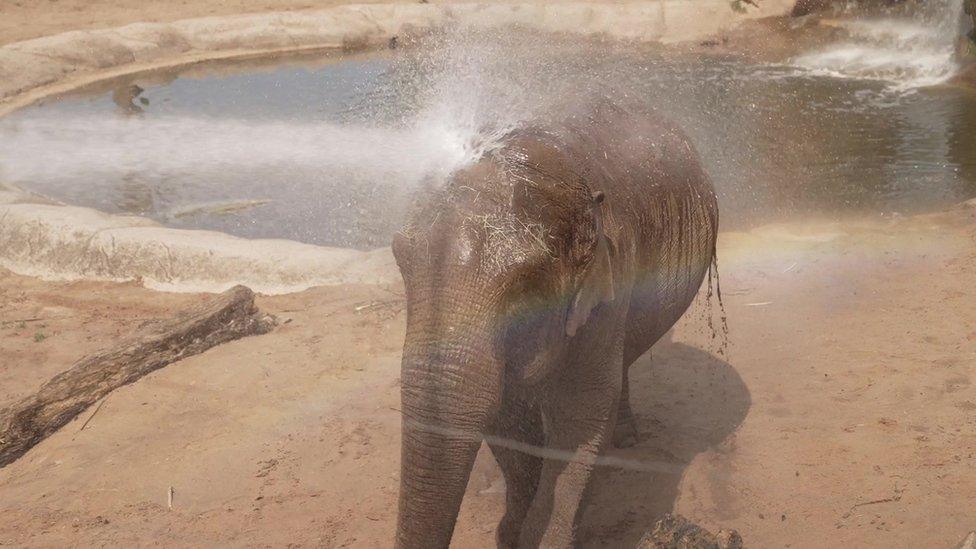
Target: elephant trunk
(449, 394)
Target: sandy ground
(842, 414)
(26, 19)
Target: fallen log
(228, 316)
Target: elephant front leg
(625, 432)
(580, 418)
(515, 441)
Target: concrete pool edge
(67, 243)
(33, 69)
(58, 242)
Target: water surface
(325, 150)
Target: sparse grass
(39, 337)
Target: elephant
(534, 277)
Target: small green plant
(21, 325)
(39, 337)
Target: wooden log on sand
(228, 316)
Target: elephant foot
(625, 433)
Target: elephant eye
(524, 273)
(532, 284)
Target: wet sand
(841, 415)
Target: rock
(677, 532)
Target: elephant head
(501, 266)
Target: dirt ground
(843, 413)
(769, 38)
(26, 19)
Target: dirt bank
(842, 414)
(24, 19)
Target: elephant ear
(597, 280)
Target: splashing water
(331, 155)
(415, 119)
(452, 121)
(909, 51)
(355, 179)
(165, 146)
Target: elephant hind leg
(625, 431)
(519, 429)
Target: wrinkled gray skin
(534, 278)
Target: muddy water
(325, 150)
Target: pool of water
(326, 150)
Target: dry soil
(842, 413)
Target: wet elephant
(534, 278)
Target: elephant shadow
(687, 402)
